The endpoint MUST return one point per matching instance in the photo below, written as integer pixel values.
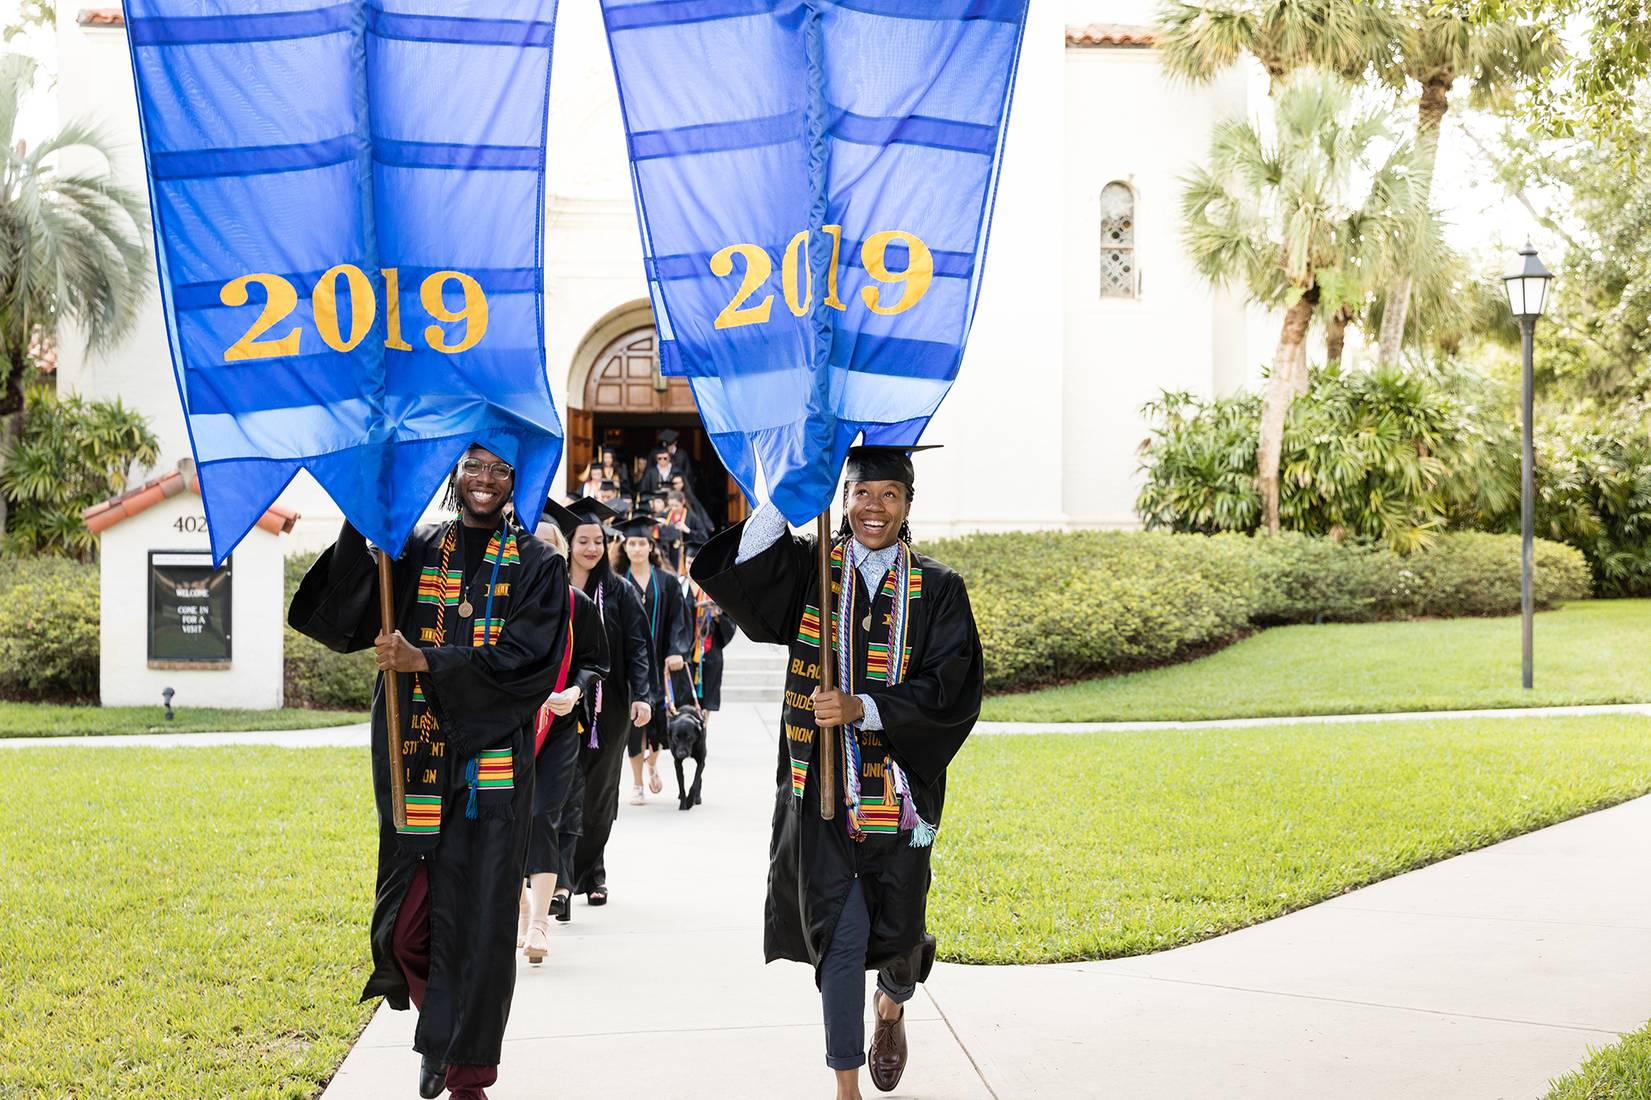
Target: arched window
(1120, 276)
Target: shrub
(71, 454)
(315, 675)
(49, 630)
(1386, 454)
(1055, 606)
(1301, 579)
(1594, 492)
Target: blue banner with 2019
(348, 202)
(814, 182)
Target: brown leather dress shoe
(887, 1057)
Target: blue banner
(348, 202)
(814, 181)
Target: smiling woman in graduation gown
(469, 755)
(774, 598)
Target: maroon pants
(411, 947)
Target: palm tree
(72, 243)
(1333, 195)
(1348, 37)
(1435, 46)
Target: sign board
(189, 601)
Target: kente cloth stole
(424, 746)
(703, 608)
(890, 808)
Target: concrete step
(750, 695)
(753, 675)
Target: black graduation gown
(926, 718)
(653, 481)
(557, 765)
(629, 679)
(669, 631)
(712, 639)
(486, 697)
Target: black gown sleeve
(679, 628)
(638, 654)
(484, 694)
(927, 716)
(722, 629)
(337, 602)
(764, 596)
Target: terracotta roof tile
(100, 517)
(100, 17)
(1112, 34)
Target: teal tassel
(472, 772)
(923, 835)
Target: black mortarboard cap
(571, 517)
(637, 527)
(878, 463)
(693, 540)
(669, 435)
(607, 485)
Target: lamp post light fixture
(1527, 287)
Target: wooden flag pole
(826, 751)
(392, 697)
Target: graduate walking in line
(481, 613)
(669, 638)
(558, 784)
(712, 632)
(850, 894)
(623, 700)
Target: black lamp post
(1527, 287)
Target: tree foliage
(1390, 455)
(1585, 96)
(72, 242)
(72, 454)
(1328, 200)
(1595, 335)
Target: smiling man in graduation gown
(481, 611)
(850, 894)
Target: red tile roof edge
(1112, 34)
(102, 516)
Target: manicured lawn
(182, 923)
(1621, 1071)
(1587, 652)
(52, 720)
(1085, 846)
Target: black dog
(687, 733)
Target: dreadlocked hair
(845, 532)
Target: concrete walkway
(1480, 977)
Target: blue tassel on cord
(473, 772)
(923, 835)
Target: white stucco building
(173, 626)
(1073, 333)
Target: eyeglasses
(499, 471)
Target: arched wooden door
(625, 396)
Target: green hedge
(48, 630)
(315, 675)
(1055, 606)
